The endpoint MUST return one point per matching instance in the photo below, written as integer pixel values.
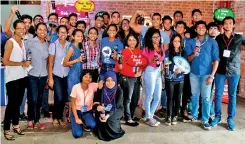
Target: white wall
(31, 10)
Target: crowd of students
(97, 71)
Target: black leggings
(15, 91)
(174, 91)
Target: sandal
(30, 125)
(18, 130)
(62, 123)
(55, 122)
(39, 126)
(9, 136)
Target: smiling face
(73, 21)
(37, 20)
(125, 25)
(228, 25)
(112, 32)
(20, 29)
(197, 16)
(41, 31)
(167, 24)
(27, 23)
(110, 83)
(99, 22)
(156, 38)
(92, 35)
(178, 17)
(62, 33)
(132, 42)
(201, 29)
(176, 42)
(81, 27)
(78, 37)
(156, 21)
(115, 18)
(64, 21)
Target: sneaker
(144, 119)
(231, 125)
(151, 122)
(206, 126)
(215, 122)
(192, 118)
(23, 117)
(168, 121)
(186, 119)
(174, 121)
(157, 122)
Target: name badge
(108, 107)
(28, 68)
(84, 108)
(227, 53)
(94, 63)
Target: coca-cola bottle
(83, 55)
(28, 55)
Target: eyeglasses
(21, 29)
(39, 19)
(156, 37)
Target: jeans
(232, 88)
(60, 96)
(22, 107)
(87, 118)
(199, 86)
(211, 100)
(186, 93)
(15, 91)
(128, 85)
(35, 95)
(153, 84)
(45, 105)
(174, 91)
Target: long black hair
(135, 36)
(172, 52)
(148, 38)
(121, 31)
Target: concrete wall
(31, 10)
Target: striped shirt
(93, 56)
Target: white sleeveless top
(18, 54)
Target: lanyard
(108, 96)
(206, 39)
(227, 44)
(85, 95)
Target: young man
(81, 25)
(72, 23)
(64, 21)
(99, 23)
(203, 54)
(167, 25)
(106, 17)
(52, 34)
(229, 69)
(196, 16)
(115, 19)
(156, 23)
(27, 19)
(178, 16)
(213, 30)
(36, 20)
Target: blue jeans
(232, 88)
(35, 94)
(199, 86)
(164, 99)
(153, 83)
(211, 100)
(22, 107)
(87, 118)
(60, 96)
(45, 106)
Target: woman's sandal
(18, 131)
(9, 136)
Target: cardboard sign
(221, 13)
(84, 5)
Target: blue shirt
(53, 36)
(209, 52)
(59, 52)
(107, 49)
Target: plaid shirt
(93, 56)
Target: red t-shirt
(133, 61)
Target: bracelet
(211, 77)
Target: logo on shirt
(106, 52)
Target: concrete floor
(182, 133)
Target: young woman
(16, 76)
(57, 73)
(37, 50)
(133, 64)
(92, 50)
(82, 96)
(109, 109)
(154, 51)
(174, 80)
(124, 31)
(73, 59)
(111, 46)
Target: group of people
(97, 71)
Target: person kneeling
(82, 96)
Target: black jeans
(35, 94)
(174, 91)
(60, 96)
(15, 91)
(95, 74)
(186, 93)
(131, 94)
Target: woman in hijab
(109, 109)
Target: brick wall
(239, 9)
(168, 8)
